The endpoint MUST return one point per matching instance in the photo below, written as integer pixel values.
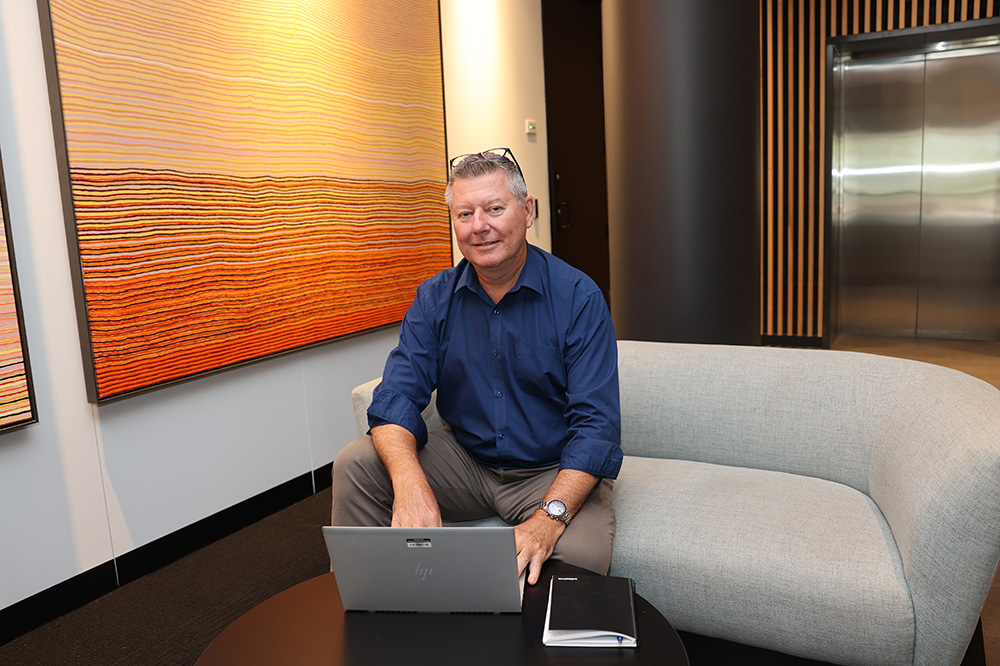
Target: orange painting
(247, 178)
(17, 407)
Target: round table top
(306, 625)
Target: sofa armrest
(361, 397)
(934, 474)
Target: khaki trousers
(468, 490)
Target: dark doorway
(574, 102)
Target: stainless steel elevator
(915, 193)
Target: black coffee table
(307, 625)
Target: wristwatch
(556, 510)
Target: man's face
(490, 226)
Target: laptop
(426, 569)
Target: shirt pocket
(539, 370)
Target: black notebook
(590, 611)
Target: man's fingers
(522, 562)
(535, 568)
(531, 560)
(535, 541)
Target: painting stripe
(15, 391)
(189, 273)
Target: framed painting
(242, 180)
(17, 403)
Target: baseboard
(799, 341)
(83, 588)
(59, 599)
(323, 477)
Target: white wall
(89, 483)
(493, 82)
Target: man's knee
(588, 541)
(590, 550)
(356, 458)
(361, 486)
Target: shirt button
(499, 394)
(496, 311)
(496, 353)
(502, 436)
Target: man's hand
(413, 504)
(535, 539)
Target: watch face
(556, 508)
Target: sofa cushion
(792, 563)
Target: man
(521, 349)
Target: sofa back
(826, 414)
(835, 415)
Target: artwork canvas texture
(17, 407)
(247, 178)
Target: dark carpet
(171, 615)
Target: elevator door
(920, 195)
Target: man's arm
(593, 419)
(414, 504)
(536, 537)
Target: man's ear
(529, 208)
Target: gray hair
(476, 165)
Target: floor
(979, 359)
(168, 617)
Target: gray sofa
(835, 506)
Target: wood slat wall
(793, 127)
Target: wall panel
(675, 245)
(794, 34)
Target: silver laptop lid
(426, 569)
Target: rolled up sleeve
(410, 375)
(391, 407)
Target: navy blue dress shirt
(527, 382)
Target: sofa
(834, 506)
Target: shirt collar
(530, 277)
